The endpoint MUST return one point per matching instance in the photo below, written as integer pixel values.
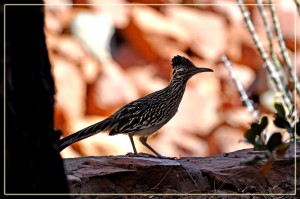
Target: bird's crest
(181, 61)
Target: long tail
(84, 133)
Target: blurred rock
(112, 89)
(266, 99)
(160, 25)
(243, 74)
(250, 56)
(193, 111)
(70, 89)
(170, 47)
(52, 42)
(119, 13)
(52, 24)
(207, 31)
(242, 49)
(233, 50)
(145, 79)
(135, 36)
(238, 117)
(227, 8)
(229, 139)
(289, 23)
(69, 48)
(149, 38)
(57, 13)
(103, 144)
(94, 31)
(91, 69)
(127, 56)
(69, 152)
(173, 142)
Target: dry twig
(268, 28)
(285, 98)
(240, 88)
(283, 49)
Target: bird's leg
(144, 142)
(134, 149)
(132, 143)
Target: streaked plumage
(146, 115)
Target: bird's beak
(199, 70)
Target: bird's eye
(181, 70)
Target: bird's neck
(177, 83)
(177, 87)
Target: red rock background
(104, 56)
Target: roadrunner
(146, 115)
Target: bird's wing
(136, 116)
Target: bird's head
(183, 68)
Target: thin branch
(240, 88)
(267, 26)
(270, 39)
(283, 49)
(280, 88)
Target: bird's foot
(146, 155)
(143, 155)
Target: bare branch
(267, 26)
(283, 49)
(274, 75)
(273, 55)
(270, 36)
(240, 88)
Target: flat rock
(207, 31)
(189, 175)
